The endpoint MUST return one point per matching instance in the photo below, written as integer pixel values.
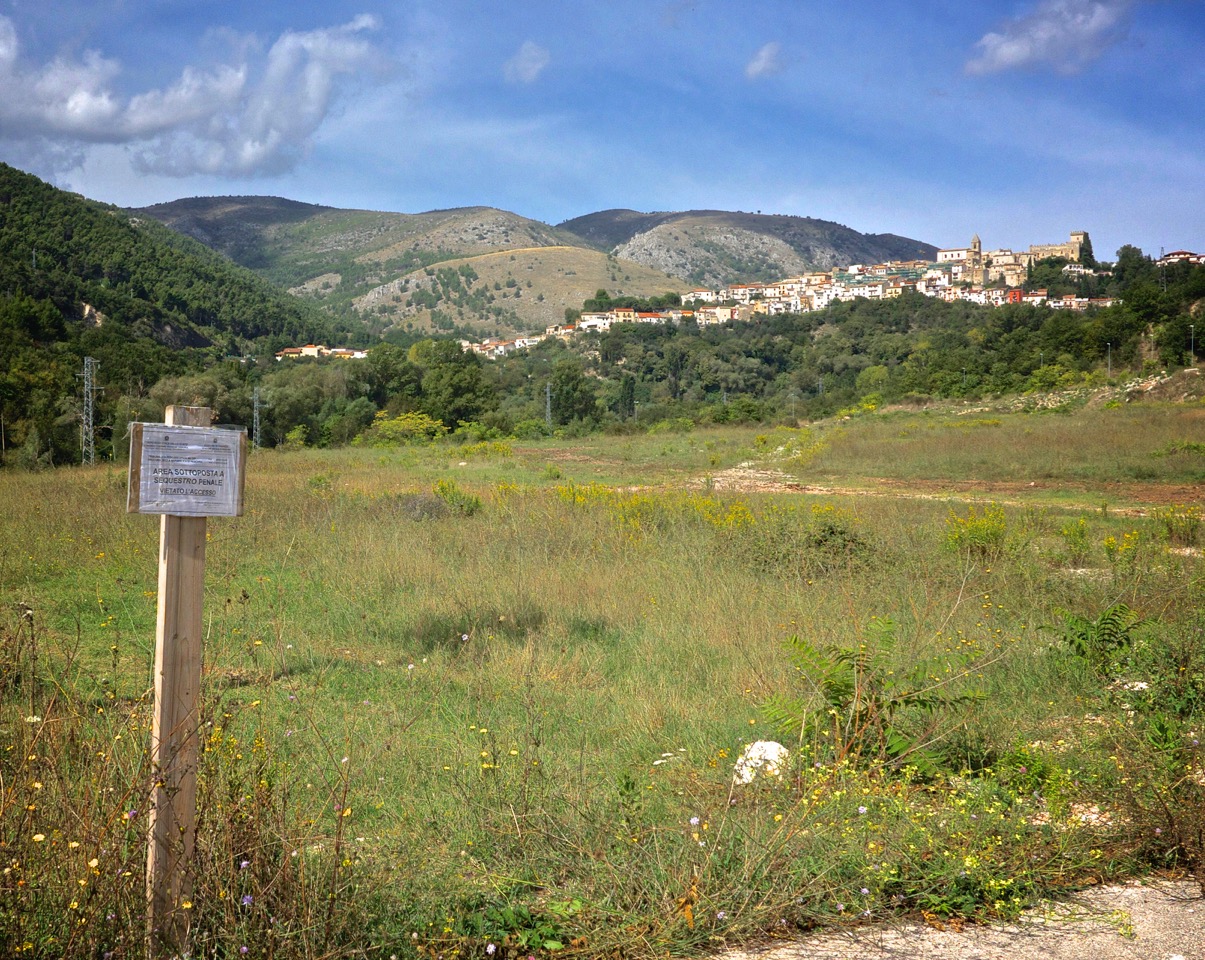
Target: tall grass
(512, 729)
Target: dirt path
(1163, 920)
(1139, 497)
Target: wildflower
(694, 821)
(865, 892)
(861, 809)
(840, 908)
(247, 899)
(244, 864)
(39, 837)
(722, 915)
(490, 948)
(244, 949)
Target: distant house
(316, 350)
(1181, 256)
(595, 321)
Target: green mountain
(80, 278)
(714, 247)
(472, 269)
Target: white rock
(766, 758)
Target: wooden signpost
(185, 470)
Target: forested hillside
(79, 278)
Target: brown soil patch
(1139, 497)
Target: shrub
(857, 706)
(980, 535)
(1103, 641)
(465, 504)
(1076, 541)
(1179, 524)
(405, 428)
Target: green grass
(1095, 447)
(429, 730)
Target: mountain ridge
(384, 265)
(716, 247)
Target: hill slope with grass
(715, 247)
(386, 264)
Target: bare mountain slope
(714, 247)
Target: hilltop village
(986, 277)
(991, 278)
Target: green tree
(572, 394)
(453, 384)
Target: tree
(391, 373)
(1085, 253)
(572, 394)
(453, 385)
(627, 397)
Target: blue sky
(1019, 120)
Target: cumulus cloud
(257, 116)
(1063, 34)
(526, 65)
(766, 62)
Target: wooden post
(174, 733)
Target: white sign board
(186, 471)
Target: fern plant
(857, 706)
(1103, 641)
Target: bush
(406, 428)
(978, 535)
(465, 504)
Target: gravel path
(1160, 920)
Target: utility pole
(1110, 361)
(548, 404)
(87, 429)
(255, 417)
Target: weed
(1076, 541)
(857, 706)
(1180, 524)
(981, 535)
(1104, 641)
(458, 501)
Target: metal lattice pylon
(87, 420)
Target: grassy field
(486, 700)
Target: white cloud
(766, 62)
(526, 65)
(1063, 34)
(246, 118)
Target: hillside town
(986, 277)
